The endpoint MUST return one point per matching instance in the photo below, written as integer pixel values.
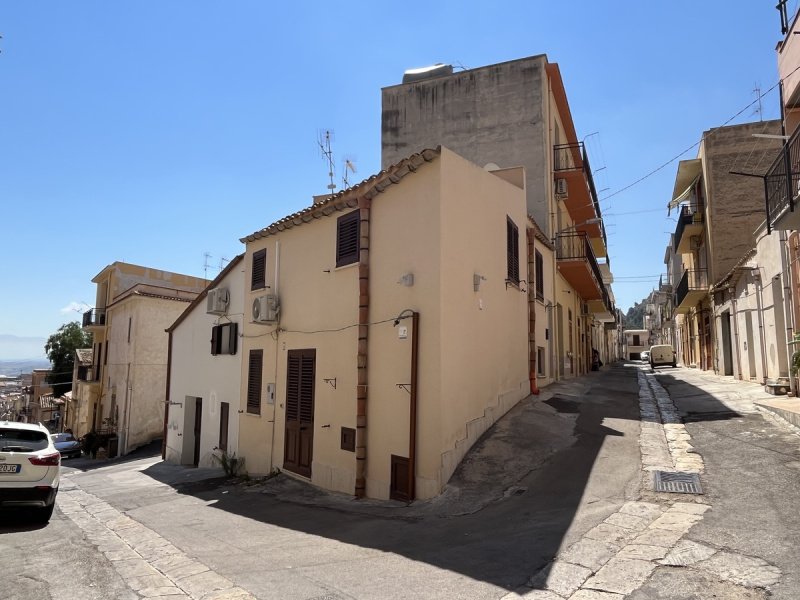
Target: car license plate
(10, 468)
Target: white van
(662, 355)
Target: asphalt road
(544, 476)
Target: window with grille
(254, 373)
(347, 234)
(512, 250)
(259, 274)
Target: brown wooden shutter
(215, 340)
(347, 232)
(539, 276)
(292, 387)
(512, 250)
(254, 381)
(259, 278)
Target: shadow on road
(509, 506)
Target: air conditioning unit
(266, 308)
(217, 301)
(561, 187)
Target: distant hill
(15, 367)
(14, 347)
(634, 318)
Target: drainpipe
(166, 396)
(412, 410)
(736, 335)
(788, 317)
(762, 342)
(363, 334)
(532, 313)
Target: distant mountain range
(14, 347)
(15, 367)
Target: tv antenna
(758, 110)
(349, 166)
(222, 261)
(324, 142)
(206, 257)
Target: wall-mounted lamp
(476, 281)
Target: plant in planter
(232, 465)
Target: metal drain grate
(677, 483)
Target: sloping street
(556, 501)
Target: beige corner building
(387, 327)
(124, 392)
(512, 114)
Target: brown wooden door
(299, 439)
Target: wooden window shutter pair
(259, 275)
(254, 376)
(512, 250)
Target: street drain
(677, 483)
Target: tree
(60, 349)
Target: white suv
(29, 468)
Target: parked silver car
(67, 445)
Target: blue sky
(154, 132)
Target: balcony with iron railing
(95, 317)
(692, 288)
(690, 223)
(571, 163)
(577, 263)
(781, 186)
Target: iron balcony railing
(576, 245)
(686, 216)
(781, 183)
(573, 157)
(693, 280)
(94, 316)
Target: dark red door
(299, 441)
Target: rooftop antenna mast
(222, 261)
(324, 142)
(206, 256)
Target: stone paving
(616, 557)
(150, 565)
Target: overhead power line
(697, 143)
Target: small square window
(224, 338)
(348, 439)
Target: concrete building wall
(495, 114)
(135, 380)
(734, 204)
(196, 373)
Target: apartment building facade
(125, 388)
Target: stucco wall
(493, 114)
(196, 373)
(472, 362)
(319, 309)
